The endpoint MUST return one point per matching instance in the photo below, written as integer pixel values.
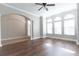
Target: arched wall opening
(15, 27)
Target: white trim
(31, 29)
(36, 38)
(67, 39)
(18, 9)
(14, 38)
(21, 37)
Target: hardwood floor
(41, 47)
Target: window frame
(62, 17)
(67, 20)
(55, 22)
(47, 26)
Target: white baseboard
(36, 38)
(14, 38)
(67, 39)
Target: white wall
(36, 27)
(77, 24)
(39, 27)
(12, 26)
(44, 26)
(5, 10)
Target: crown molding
(7, 5)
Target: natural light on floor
(48, 45)
(68, 50)
(61, 48)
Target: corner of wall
(0, 31)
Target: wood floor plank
(41, 47)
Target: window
(57, 19)
(69, 24)
(57, 28)
(57, 25)
(69, 16)
(49, 26)
(49, 21)
(64, 25)
(69, 27)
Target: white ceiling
(33, 8)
